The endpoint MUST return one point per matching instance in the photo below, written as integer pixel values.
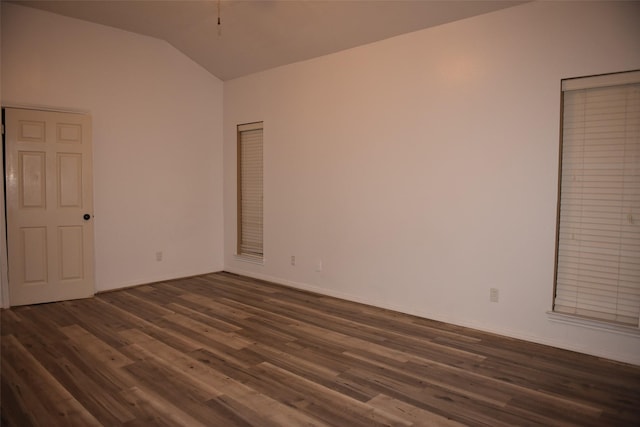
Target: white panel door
(49, 206)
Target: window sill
(568, 319)
(253, 259)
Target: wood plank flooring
(224, 350)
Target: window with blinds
(598, 252)
(250, 190)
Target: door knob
(86, 217)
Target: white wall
(157, 122)
(422, 170)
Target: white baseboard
(605, 353)
(153, 279)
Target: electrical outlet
(159, 256)
(293, 260)
(494, 295)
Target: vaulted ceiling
(258, 35)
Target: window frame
(575, 84)
(241, 244)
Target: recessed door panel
(32, 179)
(31, 131)
(69, 171)
(69, 133)
(34, 254)
(70, 252)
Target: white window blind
(250, 189)
(598, 257)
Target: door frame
(4, 253)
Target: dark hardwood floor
(223, 350)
